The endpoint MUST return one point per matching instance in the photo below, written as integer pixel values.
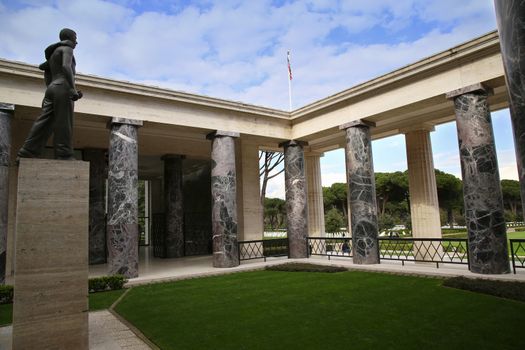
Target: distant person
(57, 107)
(346, 247)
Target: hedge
(6, 294)
(97, 284)
(305, 267)
(503, 289)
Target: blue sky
(237, 50)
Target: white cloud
(236, 49)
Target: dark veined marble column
(296, 198)
(224, 199)
(122, 220)
(361, 192)
(511, 26)
(173, 206)
(6, 114)
(487, 238)
(97, 201)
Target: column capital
(116, 120)
(173, 156)
(420, 127)
(222, 133)
(7, 108)
(293, 143)
(478, 87)
(359, 122)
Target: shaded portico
(411, 100)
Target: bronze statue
(57, 107)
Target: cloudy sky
(237, 50)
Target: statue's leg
(40, 131)
(63, 131)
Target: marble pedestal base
(51, 261)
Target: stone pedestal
(6, 114)
(296, 198)
(511, 26)
(51, 262)
(224, 199)
(173, 206)
(97, 202)
(361, 192)
(315, 196)
(122, 221)
(487, 237)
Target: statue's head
(68, 34)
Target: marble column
(424, 203)
(315, 195)
(296, 198)
(487, 238)
(122, 220)
(510, 16)
(173, 205)
(362, 192)
(6, 114)
(224, 199)
(97, 202)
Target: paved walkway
(106, 332)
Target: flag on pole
(289, 66)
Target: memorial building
(194, 160)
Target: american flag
(289, 66)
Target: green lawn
(97, 301)
(301, 310)
(510, 235)
(6, 314)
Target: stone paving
(106, 332)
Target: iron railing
(330, 247)
(433, 250)
(158, 238)
(517, 251)
(262, 249)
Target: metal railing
(262, 249)
(158, 237)
(433, 250)
(330, 246)
(517, 252)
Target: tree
(450, 194)
(511, 196)
(274, 213)
(333, 220)
(390, 187)
(268, 169)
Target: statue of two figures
(58, 104)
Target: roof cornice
(486, 43)
(86, 80)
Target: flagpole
(290, 94)
(289, 81)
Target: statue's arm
(67, 60)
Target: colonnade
(234, 181)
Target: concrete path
(106, 332)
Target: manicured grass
(97, 301)
(304, 310)
(6, 314)
(103, 300)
